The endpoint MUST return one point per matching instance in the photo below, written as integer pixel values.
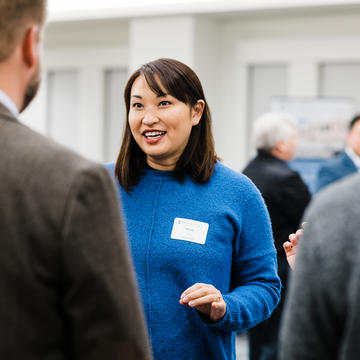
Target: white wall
(207, 62)
(88, 50)
(300, 41)
(221, 48)
(66, 10)
(156, 37)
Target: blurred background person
(347, 162)
(286, 197)
(194, 225)
(321, 317)
(67, 286)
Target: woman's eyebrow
(140, 97)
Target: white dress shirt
(355, 158)
(8, 103)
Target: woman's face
(161, 126)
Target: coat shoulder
(37, 156)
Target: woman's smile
(153, 136)
(160, 124)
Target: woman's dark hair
(199, 157)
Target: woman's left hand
(206, 299)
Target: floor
(241, 347)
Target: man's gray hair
(272, 127)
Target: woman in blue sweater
(199, 232)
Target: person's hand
(290, 246)
(206, 299)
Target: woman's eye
(136, 105)
(165, 103)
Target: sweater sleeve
(255, 290)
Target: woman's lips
(153, 136)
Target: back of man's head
(15, 17)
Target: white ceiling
(65, 10)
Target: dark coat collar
(262, 154)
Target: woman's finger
(207, 299)
(196, 287)
(197, 293)
(191, 289)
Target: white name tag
(189, 230)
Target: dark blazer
(285, 195)
(67, 287)
(334, 170)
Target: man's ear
(197, 111)
(280, 146)
(348, 137)
(30, 46)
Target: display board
(322, 122)
(323, 125)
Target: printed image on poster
(323, 125)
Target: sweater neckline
(159, 173)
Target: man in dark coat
(286, 197)
(67, 286)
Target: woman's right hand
(206, 299)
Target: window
(62, 123)
(115, 80)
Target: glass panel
(265, 81)
(340, 80)
(62, 107)
(115, 81)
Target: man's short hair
(272, 127)
(354, 120)
(15, 17)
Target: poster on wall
(323, 125)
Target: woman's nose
(150, 118)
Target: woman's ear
(197, 111)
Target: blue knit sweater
(238, 258)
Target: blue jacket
(334, 170)
(238, 258)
